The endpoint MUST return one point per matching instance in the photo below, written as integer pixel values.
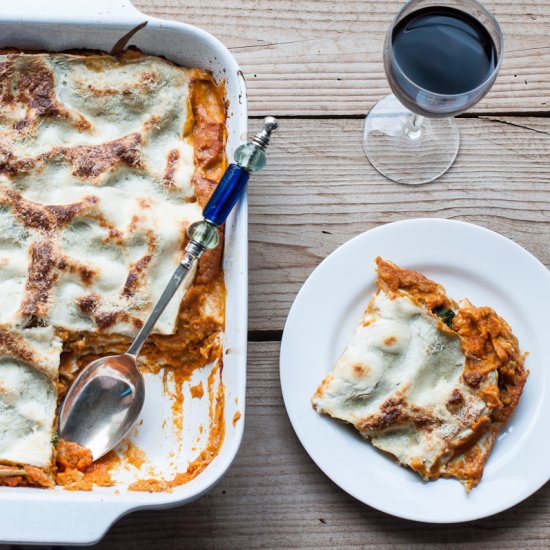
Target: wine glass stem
(413, 128)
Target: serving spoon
(107, 396)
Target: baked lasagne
(429, 381)
(104, 163)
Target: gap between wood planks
(265, 335)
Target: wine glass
(441, 58)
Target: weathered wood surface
(274, 496)
(319, 190)
(324, 57)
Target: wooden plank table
(317, 65)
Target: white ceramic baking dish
(63, 517)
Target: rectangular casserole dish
(61, 517)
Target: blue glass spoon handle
(249, 157)
(227, 194)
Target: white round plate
(471, 262)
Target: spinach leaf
(447, 315)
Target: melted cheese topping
(27, 394)
(94, 182)
(432, 396)
(396, 382)
(104, 163)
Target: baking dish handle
(79, 523)
(60, 11)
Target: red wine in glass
(444, 51)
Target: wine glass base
(401, 152)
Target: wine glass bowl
(431, 103)
(440, 58)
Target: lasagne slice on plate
(425, 379)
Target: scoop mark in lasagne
(430, 381)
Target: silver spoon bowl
(102, 406)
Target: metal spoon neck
(193, 252)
